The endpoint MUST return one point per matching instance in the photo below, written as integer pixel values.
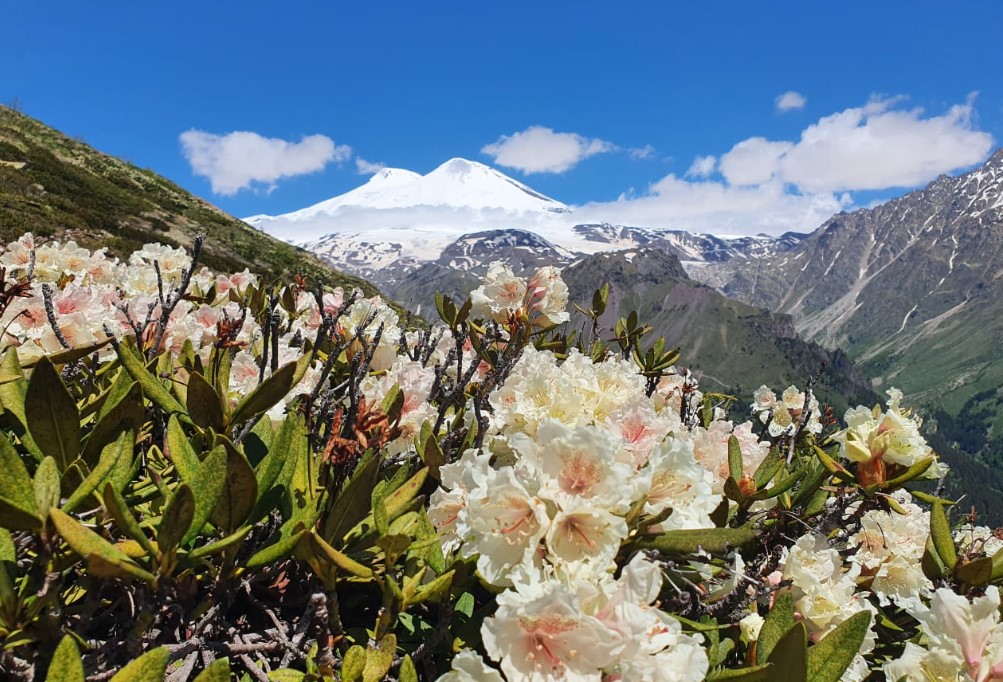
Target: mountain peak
(459, 166)
(996, 159)
(394, 175)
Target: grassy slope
(68, 190)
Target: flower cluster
(783, 417)
(93, 294)
(504, 296)
(613, 521)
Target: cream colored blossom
(539, 632)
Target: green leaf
(46, 486)
(912, 473)
(790, 656)
(379, 659)
(930, 499)
(430, 451)
(353, 664)
(152, 388)
(734, 459)
(290, 443)
(759, 673)
(8, 552)
(829, 659)
(276, 551)
(768, 468)
(177, 519)
(269, 392)
(52, 415)
(217, 671)
(12, 401)
(238, 495)
(259, 441)
(713, 540)
(940, 532)
(435, 590)
(286, 675)
(121, 410)
(221, 545)
(16, 518)
(150, 667)
(180, 451)
(407, 672)
(103, 557)
(66, 664)
(397, 501)
(320, 553)
(207, 487)
(778, 622)
(15, 484)
(933, 567)
(69, 355)
(204, 404)
(997, 565)
(110, 456)
(124, 519)
(353, 503)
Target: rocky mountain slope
(912, 289)
(56, 186)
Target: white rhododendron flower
(889, 546)
(962, 640)
(783, 416)
(505, 523)
(655, 647)
(710, 448)
(540, 632)
(572, 465)
(680, 483)
(891, 436)
(503, 295)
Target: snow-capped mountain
(464, 213)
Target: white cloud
(237, 160)
(878, 147)
(753, 161)
(790, 100)
(777, 185)
(644, 152)
(716, 207)
(541, 150)
(702, 167)
(364, 167)
(873, 147)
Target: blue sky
(598, 100)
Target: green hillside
(55, 186)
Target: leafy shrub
(206, 475)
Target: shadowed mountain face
(913, 289)
(734, 347)
(58, 187)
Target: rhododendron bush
(205, 475)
